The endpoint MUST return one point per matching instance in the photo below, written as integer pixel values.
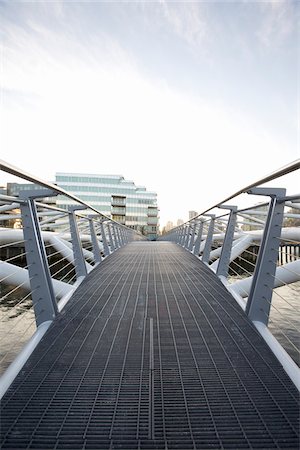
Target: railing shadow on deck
(45, 253)
(253, 246)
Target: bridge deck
(152, 352)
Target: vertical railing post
(198, 238)
(176, 235)
(122, 237)
(80, 264)
(123, 234)
(183, 234)
(116, 236)
(126, 232)
(119, 236)
(180, 235)
(260, 296)
(192, 238)
(111, 242)
(223, 265)
(126, 235)
(187, 235)
(42, 293)
(96, 249)
(104, 240)
(209, 238)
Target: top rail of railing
(285, 170)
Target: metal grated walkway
(152, 352)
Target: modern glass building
(115, 197)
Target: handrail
(291, 167)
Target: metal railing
(254, 248)
(45, 253)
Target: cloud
(115, 121)
(79, 103)
(279, 21)
(37, 57)
(187, 21)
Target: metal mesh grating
(152, 352)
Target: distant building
(179, 222)
(115, 197)
(192, 214)
(169, 226)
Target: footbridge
(114, 342)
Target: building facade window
(115, 197)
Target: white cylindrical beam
(16, 276)
(289, 273)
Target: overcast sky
(191, 99)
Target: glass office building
(115, 197)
